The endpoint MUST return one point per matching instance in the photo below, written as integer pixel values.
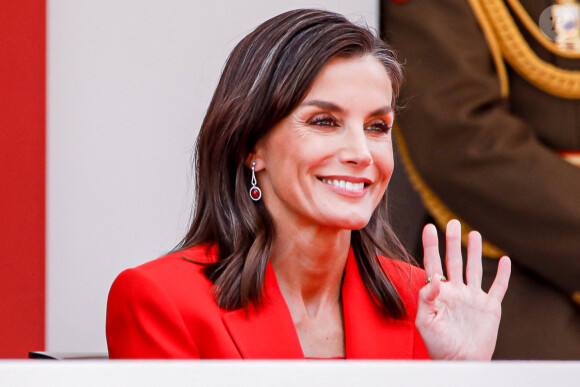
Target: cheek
(311, 152)
(383, 159)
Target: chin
(353, 224)
(348, 219)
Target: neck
(309, 264)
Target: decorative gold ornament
(500, 29)
(565, 15)
(558, 14)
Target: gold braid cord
(516, 51)
(494, 47)
(440, 212)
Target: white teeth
(344, 184)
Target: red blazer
(165, 309)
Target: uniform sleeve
(143, 322)
(483, 162)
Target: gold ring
(441, 276)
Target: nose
(355, 149)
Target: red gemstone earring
(255, 192)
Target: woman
(281, 260)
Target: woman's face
(328, 163)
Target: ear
(257, 156)
(253, 158)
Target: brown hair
(266, 76)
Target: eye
(378, 126)
(323, 120)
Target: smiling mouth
(355, 187)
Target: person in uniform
(490, 134)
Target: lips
(349, 183)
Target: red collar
(269, 333)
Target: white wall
(128, 85)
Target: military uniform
(487, 107)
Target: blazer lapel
(368, 333)
(266, 332)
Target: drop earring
(255, 192)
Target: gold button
(576, 296)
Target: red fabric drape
(22, 176)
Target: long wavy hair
(265, 78)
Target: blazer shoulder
(188, 263)
(179, 275)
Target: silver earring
(255, 192)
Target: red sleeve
(143, 321)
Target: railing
(287, 373)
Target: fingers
(474, 271)
(432, 260)
(500, 284)
(453, 259)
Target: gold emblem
(565, 16)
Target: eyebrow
(335, 108)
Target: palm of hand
(458, 320)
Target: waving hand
(457, 319)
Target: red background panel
(22, 176)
